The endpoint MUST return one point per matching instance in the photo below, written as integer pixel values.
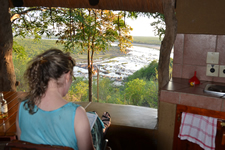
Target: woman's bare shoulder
(80, 112)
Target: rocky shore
(121, 67)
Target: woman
(45, 117)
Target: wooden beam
(127, 5)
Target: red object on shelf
(194, 80)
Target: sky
(141, 26)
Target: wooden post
(97, 84)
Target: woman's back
(49, 127)
(49, 76)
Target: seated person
(44, 117)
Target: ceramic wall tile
(188, 71)
(221, 48)
(170, 97)
(201, 101)
(178, 49)
(196, 47)
(179, 80)
(201, 73)
(219, 79)
(177, 70)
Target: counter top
(179, 91)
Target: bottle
(4, 107)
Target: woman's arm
(82, 130)
(18, 131)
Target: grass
(35, 47)
(146, 40)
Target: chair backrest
(22, 145)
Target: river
(119, 68)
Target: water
(119, 68)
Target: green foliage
(33, 48)
(150, 98)
(78, 90)
(150, 72)
(107, 92)
(139, 92)
(159, 25)
(145, 72)
(146, 40)
(134, 91)
(20, 67)
(80, 27)
(19, 51)
(20, 60)
(86, 31)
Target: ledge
(179, 91)
(125, 115)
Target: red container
(194, 80)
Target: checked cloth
(198, 129)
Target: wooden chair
(7, 138)
(22, 145)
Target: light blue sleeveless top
(49, 127)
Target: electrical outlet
(212, 70)
(212, 58)
(222, 71)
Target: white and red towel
(198, 129)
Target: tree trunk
(90, 83)
(7, 73)
(89, 75)
(89, 72)
(167, 43)
(97, 85)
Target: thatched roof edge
(126, 5)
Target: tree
(135, 90)
(147, 72)
(159, 25)
(151, 95)
(105, 89)
(7, 74)
(81, 89)
(91, 30)
(78, 91)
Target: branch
(17, 15)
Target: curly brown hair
(51, 64)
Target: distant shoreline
(147, 45)
(155, 46)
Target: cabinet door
(186, 145)
(220, 136)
